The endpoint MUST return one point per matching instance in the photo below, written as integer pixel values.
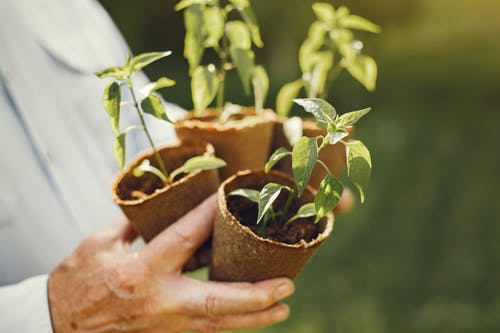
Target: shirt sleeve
(24, 307)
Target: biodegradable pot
(243, 145)
(152, 207)
(238, 254)
(334, 156)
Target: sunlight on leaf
(359, 165)
(328, 195)
(278, 155)
(267, 197)
(304, 157)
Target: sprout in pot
(329, 48)
(241, 135)
(145, 189)
(285, 223)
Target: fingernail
(284, 290)
(281, 313)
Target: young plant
(329, 48)
(152, 105)
(208, 27)
(304, 157)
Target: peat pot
(239, 254)
(148, 204)
(243, 141)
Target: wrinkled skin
(106, 287)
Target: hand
(106, 287)
(346, 202)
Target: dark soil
(301, 230)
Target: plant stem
(287, 206)
(324, 166)
(332, 75)
(324, 143)
(141, 117)
(223, 54)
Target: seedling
(329, 48)
(304, 157)
(152, 105)
(208, 28)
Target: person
(55, 171)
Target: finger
(200, 258)
(119, 230)
(273, 315)
(183, 237)
(346, 202)
(201, 298)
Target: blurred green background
(423, 253)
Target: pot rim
(209, 151)
(222, 203)
(194, 121)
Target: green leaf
(193, 50)
(350, 118)
(293, 129)
(323, 62)
(328, 195)
(251, 195)
(213, 18)
(111, 100)
(204, 87)
(336, 134)
(342, 11)
(188, 3)
(118, 73)
(343, 39)
(324, 12)
(238, 34)
(119, 149)
(240, 3)
(194, 39)
(323, 111)
(152, 105)
(278, 155)
(359, 166)
(260, 82)
(364, 69)
(286, 95)
(161, 83)
(199, 163)
(267, 197)
(307, 210)
(313, 43)
(358, 23)
(146, 166)
(304, 157)
(251, 20)
(139, 62)
(244, 60)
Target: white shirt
(56, 163)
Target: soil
(299, 231)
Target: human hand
(106, 287)
(346, 202)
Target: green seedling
(304, 158)
(329, 48)
(151, 105)
(208, 28)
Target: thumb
(177, 243)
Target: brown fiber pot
(162, 207)
(238, 254)
(334, 156)
(242, 145)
